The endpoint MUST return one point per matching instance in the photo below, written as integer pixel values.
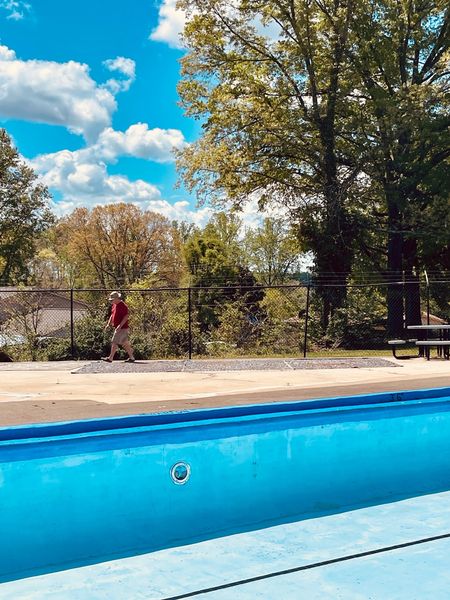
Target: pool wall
(80, 492)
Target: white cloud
(87, 184)
(80, 181)
(171, 21)
(59, 93)
(181, 211)
(125, 66)
(139, 141)
(81, 177)
(252, 217)
(7, 54)
(17, 9)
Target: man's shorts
(120, 337)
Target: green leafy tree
(275, 116)
(273, 251)
(401, 55)
(342, 115)
(283, 328)
(217, 277)
(228, 228)
(24, 213)
(159, 320)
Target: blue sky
(88, 93)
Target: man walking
(119, 320)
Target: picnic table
(441, 342)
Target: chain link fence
(219, 322)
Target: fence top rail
(160, 289)
(34, 290)
(301, 285)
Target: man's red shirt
(118, 312)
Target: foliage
(159, 322)
(22, 319)
(273, 251)
(339, 111)
(212, 254)
(58, 349)
(283, 328)
(24, 213)
(276, 114)
(400, 54)
(227, 227)
(239, 326)
(361, 323)
(114, 246)
(217, 277)
(53, 266)
(91, 340)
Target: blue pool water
(84, 492)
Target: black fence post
(190, 321)
(428, 298)
(306, 321)
(72, 339)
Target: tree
(24, 212)
(228, 228)
(53, 266)
(184, 230)
(274, 115)
(401, 55)
(345, 105)
(273, 251)
(119, 244)
(214, 255)
(218, 277)
(23, 321)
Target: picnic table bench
(395, 344)
(442, 343)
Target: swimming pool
(84, 492)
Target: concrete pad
(40, 392)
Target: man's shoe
(129, 360)
(106, 359)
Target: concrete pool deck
(44, 392)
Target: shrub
(57, 349)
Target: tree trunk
(335, 253)
(413, 315)
(394, 276)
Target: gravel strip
(256, 364)
(55, 365)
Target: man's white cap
(115, 295)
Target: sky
(88, 95)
